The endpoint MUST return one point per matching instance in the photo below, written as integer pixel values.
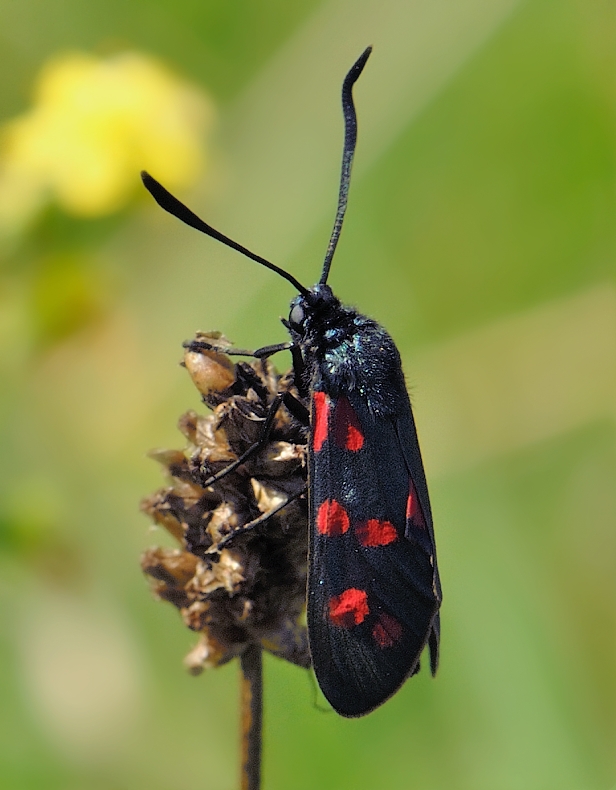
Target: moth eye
(297, 316)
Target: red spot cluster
(387, 631)
(376, 533)
(321, 419)
(414, 513)
(349, 608)
(347, 430)
(332, 519)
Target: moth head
(316, 304)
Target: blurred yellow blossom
(94, 125)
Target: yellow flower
(94, 125)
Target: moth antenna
(350, 141)
(170, 203)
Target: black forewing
(409, 444)
(359, 667)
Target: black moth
(373, 584)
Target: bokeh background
(481, 231)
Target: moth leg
(260, 520)
(299, 370)
(265, 432)
(259, 353)
(296, 408)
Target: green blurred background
(481, 232)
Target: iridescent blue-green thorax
(345, 351)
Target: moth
(374, 593)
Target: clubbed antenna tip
(170, 203)
(350, 141)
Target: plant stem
(252, 716)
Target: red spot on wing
(321, 415)
(376, 533)
(346, 428)
(349, 608)
(414, 513)
(332, 519)
(387, 631)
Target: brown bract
(251, 590)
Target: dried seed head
(210, 372)
(251, 590)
